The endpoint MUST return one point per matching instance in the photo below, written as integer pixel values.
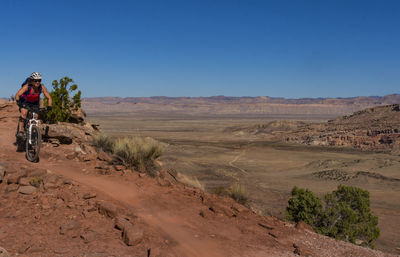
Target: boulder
(27, 190)
(24, 182)
(14, 178)
(121, 222)
(66, 133)
(132, 235)
(12, 188)
(77, 116)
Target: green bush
(346, 214)
(305, 206)
(63, 104)
(135, 152)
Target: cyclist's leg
(22, 118)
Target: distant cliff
(238, 105)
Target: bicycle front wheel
(33, 143)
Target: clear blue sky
(293, 49)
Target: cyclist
(28, 98)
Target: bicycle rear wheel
(33, 145)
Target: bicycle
(32, 136)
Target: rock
(121, 222)
(36, 172)
(304, 226)
(89, 195)
(77, 116)
(24, 182)
(51, 178)
(12, 188)
(2, 171)
(119, 167)
(142, 175)
(65, 133)
(302, 250)
(69, 226)
(27, 190)
(48, 186)
(89, 236)
(132, 235)
(59, 202)
(24, 247)
(71, 156)
(163, 182)
(107, 209)
(102, 156)
(3, 252)
(66, 197)
(15, 177)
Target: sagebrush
(135, 152)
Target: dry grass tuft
(135, 152)
(190, 181)
(103, 142)
(238, 192)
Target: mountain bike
(32, 137)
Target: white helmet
(36, 75)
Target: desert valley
(272, 144)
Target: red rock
(15, 177)
(89, 195)
(27, 190)
(107, 209)
(132, 235)
(121, 222)
(304, 226)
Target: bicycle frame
(32, 122)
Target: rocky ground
(79, 202)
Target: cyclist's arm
(47, 95)
(23, 89)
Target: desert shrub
(305, 206)
(346, 214)
(221, 191)
(103, 142)
(35, 181)
(63, 104)
(190, 181)
(238, 192)
(137, 152)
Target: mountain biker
(28, 98)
